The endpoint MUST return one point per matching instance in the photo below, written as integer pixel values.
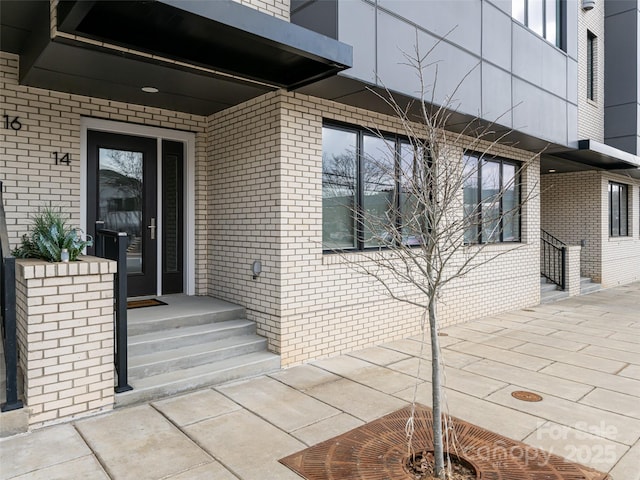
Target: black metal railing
(553, 259)
(8, 312)
(113, 245)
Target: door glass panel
(120, 196)
(172, 215)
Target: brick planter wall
(65, 337)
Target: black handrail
(553, 259)
(8, 311)
(551, 239)
(113, 245)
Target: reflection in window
(366, 190)
(120, 198)
(541, 16)
(338, 188)
(491, 200)
(618, 210)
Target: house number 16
(12, 123)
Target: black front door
(122, 190)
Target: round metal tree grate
(526, 396)
(378, 450)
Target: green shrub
(49, 235)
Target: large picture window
(541, 16)
(618, 210)
(491, 199)
(366, 189)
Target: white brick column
(572, 270)
(65, 337)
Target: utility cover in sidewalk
(378, 450)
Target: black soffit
(219, 35)
(603, 156)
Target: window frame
(592, 52)
(560, 40)
(359, 223)
(480, 158)
(621, 188)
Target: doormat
(378, 450)
(149, 302)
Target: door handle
(152, 227)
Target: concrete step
(184, 336)
(553, 296)
(182, 380)
(588, 286)
(141, 366)
(548, 287)
(181, 311)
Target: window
(618, 211)
(541, 16)
(366, 189)
(491, 199)
(591, 65)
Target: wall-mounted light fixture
(588, 4)
(552, 170)
(256, 268)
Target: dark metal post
(122, 363)
(113, 245)
(10, 341)
(564, 267)
(98, 241)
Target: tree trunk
(438, 450)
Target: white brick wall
(65, 337)
(276, 8)
(266, 165)
(575, 207)
(590, 113)
(51, 123)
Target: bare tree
(431, 207)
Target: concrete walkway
(582, 355)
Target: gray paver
(81, 468)
(277, 403)
(455, 379)
(210, 471)
(246, 445)
(614, 402)
(577, 446)
(627, 466)
(379, 355)
(304, 377)
(531, 380)
(195, 407)
(630, 371)
(326, 429)
(496, 418)
(139, 443)
(591, 377)
(380, 378)
(572, 358)
(588, 419)
(41, 449)
(504, 356)
(358, 400)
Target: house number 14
(64, 159)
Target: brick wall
(276, 8)
(65, 337)
(590, 113)
(266, 199)
(51, 123)
(575, 207)
(621, 255)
